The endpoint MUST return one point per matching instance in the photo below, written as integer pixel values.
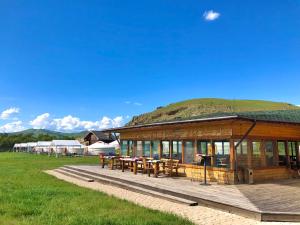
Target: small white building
(67, 147)
(43, 147)
(16, 147)
(101, 147)
(31, 146)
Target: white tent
(31, 146)
(43, 146)
(23, 147)
(67, 147)
(16, 147)
(101, 147)
(115, 144)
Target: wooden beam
(288, 160)
(213, 158)
(262, 149)
(249, 154)
(275, 154)
(160, 149)
(171, 149)
(183, 149)
(232, 155)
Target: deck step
(73, 172)
(70, 174)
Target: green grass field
(29, 196)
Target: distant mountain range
(37, 132)
(203, 107)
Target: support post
(263, 154)
(171, 149)
(232, 155)
(275, 154)
(183, 149)
(288, 160)
(249, 154)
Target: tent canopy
(66, 143)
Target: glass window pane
(269, 153)
(226, 150)
(222, 152)
(130, 143)
(146, 149)
(218, 148)
(256, 148)
(155, 146)
(202, 147)
(177, 150)
(166, 149)
(188, 152)
(282, 160)
(124, 148)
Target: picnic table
(132, 164)
(110, 160)
(155, 164)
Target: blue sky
(71, 65)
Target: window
(256, 160)
(242, 149)
(222, 152)
(146, 148)
(139, 149)
(282, 160)
(202, 147)
(124, 148)
(256, 148)
(269, 148)
(130, 146)
(241, 153)
(188, 152)
(166, 149)
(292, 150)
(177, 150)
(155, 146)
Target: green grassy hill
(206, 106)
(37, 132)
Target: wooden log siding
(267, 131)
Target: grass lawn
(29, 196)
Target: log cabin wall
(208, 130)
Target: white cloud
(71, 123)
(127, 102)
(137, 103)
(12, 127)
(8, 112)
(211, 15)
(41, 121)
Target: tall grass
(28, 196)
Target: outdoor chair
(171, 166)
(147, 168)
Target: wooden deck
(278, 201)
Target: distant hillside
(37, 132)
(32, 135)
(207, 106)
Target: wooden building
(93, 136)
(245, 147)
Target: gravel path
(197, 214)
